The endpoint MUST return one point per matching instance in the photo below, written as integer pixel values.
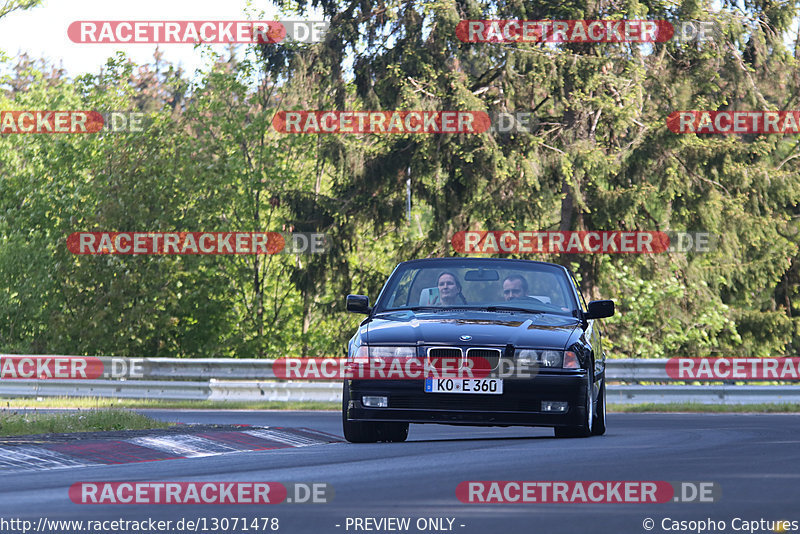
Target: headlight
(543, 358)
(551, 358)
(527, 357)
(362, 355)
(392, 352)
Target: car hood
(547, 331)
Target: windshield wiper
(468, 308)
(411, 308)
(513, 308)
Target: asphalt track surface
(755, 459)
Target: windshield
(501, 285)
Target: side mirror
(358, 304)
(599, 309)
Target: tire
(586, 427)
(393, 432)
(599, 426)
(369, 432)
(356, 431)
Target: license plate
(485, 386)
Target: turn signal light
(571, 360)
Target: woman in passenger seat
(449, 290)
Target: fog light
(375, 402)
(554, 406)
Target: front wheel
(586, 427)
(356, 431)
(369, 431)
(394, 432)
(599, 426)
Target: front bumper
(520, 403)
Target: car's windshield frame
(568, 291)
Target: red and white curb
(94, 452)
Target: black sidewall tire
(356, 431)
(393, 432)
(599, 427)
(586, 428)
(366, 431)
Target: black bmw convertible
(526, 322)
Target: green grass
(20, 424)
(705, 408)
(95, 402)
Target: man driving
(514, 286)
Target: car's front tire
(586, 427)
(356, 431)
(599, 426)
(360, 431)
(369, 431)
(394, 432)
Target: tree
(13, 5)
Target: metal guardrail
(207, 368)
(635, 394)
(627, 370)
(332, 391)
(177, 390)
(222, 379)
(638, 370)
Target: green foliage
(663, 316)
(7, 6)
(599, 158)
